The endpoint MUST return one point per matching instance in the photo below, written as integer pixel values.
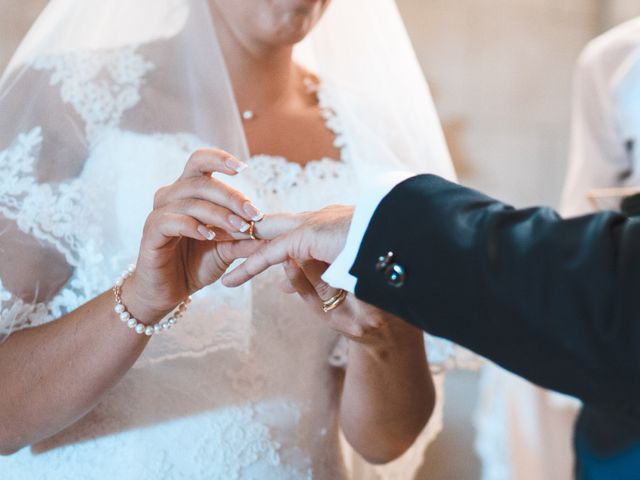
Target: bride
(102, 105)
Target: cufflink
(394, 273)
(384, 261)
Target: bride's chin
(308, 5)
(294, 29)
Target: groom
(556, 301)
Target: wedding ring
(252, 230)
(334, 302)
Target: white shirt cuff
(338, 275)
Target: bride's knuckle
(233, 197)
(186, 205)
(228, 193)
(159, 196)
(185, 227)
(217, 154)
(150, 221)
(306, 216)
(197, 156)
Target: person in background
(533, 426)
(604, 167)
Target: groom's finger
(313, 271)
(270, 227)
(299, 280)
(276, 225)
(274, 253)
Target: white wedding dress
(247, 385)
(211, 399)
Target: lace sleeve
(46, 219)
(37, 238)
(16, 314)
(27, 238)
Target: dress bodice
(210, 398)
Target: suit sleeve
(553, 300)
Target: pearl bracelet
(131, 322)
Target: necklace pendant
(248, 115)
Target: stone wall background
(501, 74)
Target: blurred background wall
(501, 75)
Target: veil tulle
(154, 68)
(95, 79)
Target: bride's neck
(262, 76)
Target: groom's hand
(319, 235)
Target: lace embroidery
(276, 176)
(16, 314)
(49, 212)
(5, 296)
(56, 213)
(245, 441)
(100, 86)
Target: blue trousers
(606, 448)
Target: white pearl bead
(120, 282)
(119, 308)
(149, 331)
(248, 115)
(157, 328)
(164, 325)
(132, 268)
(140, 328)
(124, 316)
(132, 323)
(171, 322)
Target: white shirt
(338, 275)
(605, 144)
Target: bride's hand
(179, 253)
(359, 322)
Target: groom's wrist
(338, 275)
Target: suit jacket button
(395, 275)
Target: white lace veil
(153, 69)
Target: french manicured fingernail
(252, 212)
(235, 164)
(206, 233)
(238, 223)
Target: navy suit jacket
(555, 301)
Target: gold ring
(252, 230)
(334, 302)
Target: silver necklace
(248, 115)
